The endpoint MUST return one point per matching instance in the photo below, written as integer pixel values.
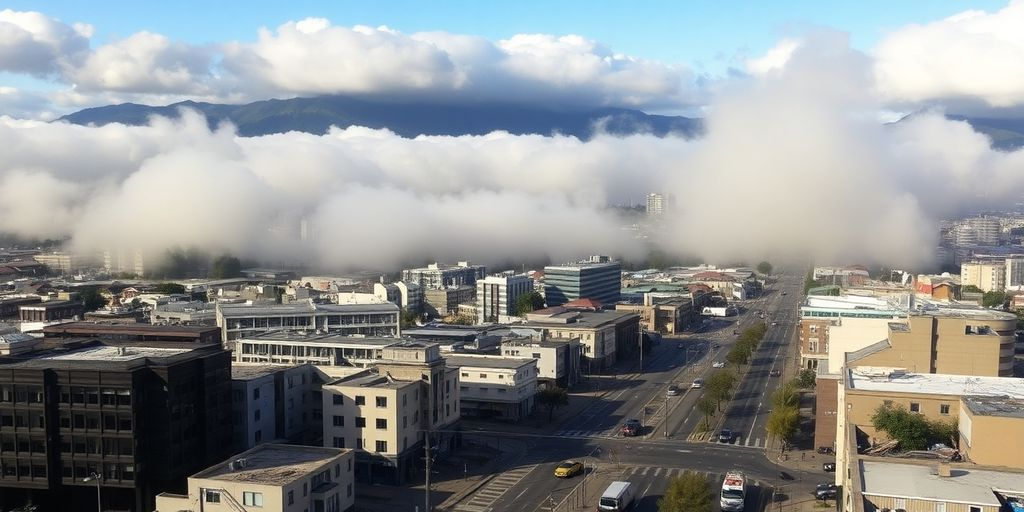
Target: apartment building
(244, 320)
(409, 296)
(441, 302)
(604, 336)
(655, 204)
(298, 347)
(437, 275)
(558, 361)
(43, 313)
(276, 404)
(64, 262)
(270, 478)
(184, 313)
(988, 276)
(143, 416)
(496, 296)
(387, 413)
(495, 387)
(597, 277)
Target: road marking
(685, 451)
(657, 472)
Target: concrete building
(242, 320)
(441, 302)
(43, 313)
(597, 278)
(558, 361)
(655, 204)
(134, 332)
(604, 336)
(184, 313)
(668, 315)
(408, 296)
(64, 262)
(495, 387)
(294, 347)
(437, 275)
(144, 416)
(942, 287)
(270, 478)
(984, 230)
(10, 306)
(496, 296)
(988, 276)
(276, 404)
(1014, 272)
(385, 414)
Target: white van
(617, 497)
(698, 383)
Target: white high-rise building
(496, 296)
(655, 204)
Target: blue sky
(704, 35)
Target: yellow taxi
(568, 468)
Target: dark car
(631, 428)
(829, 467)
(725, 435)
(775, 373)
(826, 491)
(735, 331)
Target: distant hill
(316, 115)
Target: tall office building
(597, 278)
(496, 296)
(655, 204)
(437, 275)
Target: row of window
(381, 446)
(93, 421)
(21, 394)
(916, 407)
(110, 397)
(23, 419)
(25, 469)
(379, 401)
(106, 446)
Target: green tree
(528, 302)
(786, 396)
(765, 268)
(970, 289)
(688, 492)
(739, 355)
(911, 430)
(169, 288)
(994, 299)
(806, 378)
(92, 299)
(552, 398)
(409, 318)
(719, 386)
(226, 266)
(783, 424)
(706, 406)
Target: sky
(791, 93)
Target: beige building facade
(989, 276)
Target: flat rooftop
(76, 328)
(995, 406)
(973, 486)
(372, 381)
(230, 310)
(273, 464)
(506, 363)
(897, 380)
(243, 371)
(108, 353)
(315, 338)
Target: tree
(806, 378)
(528, 302)
(739, 355)
(409, 318)
(994, 299)
(912, 431)
(226, 266)
(92, 299)
(169, 288)
(552, 398)
(719, 387)
(970, 289)
(765, 268)
(688, 492)
(783, 424)
(786, 396)
(706, 406)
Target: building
(666, 315)
(144, 416)
(496, 296)
(10, 306)
(387, 413)
(604, 336)
(301, 347)
(50, 311)
(441, 302)
(184, 313)
(270, 478)
(596, 278)
(655, 204)
(988, 276)
(558, 361)
(437, 275)
(134, 332)
(984, 230)
(495, 387)
(942, 287)
(242, 320)
(64, 262)
(276, 404)
(408, 296)
(1014, 272)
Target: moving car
(698, 383)
(775, 323)
(718, 364)
(725, 435)
(775, 373)
(734, 490)
(617, 497)
(826, 491)
(631, 428)
(569, 469)
(673, 390)
(829, 467)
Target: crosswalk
(607, 433)
(744, 443)
(484, 497)
(663, 473)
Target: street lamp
(95, 477)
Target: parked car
(631, 428)
(673, 390)
(680, 346)
(783, 293)
(698, 383)
(829, 467)
(725, 435)
(718, 364)
(775, 323)
(775, 372)
(569, 469)
(826, 491)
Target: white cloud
(974, 55)
(144, 63)
(775, 58)
(35, 44)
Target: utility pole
(640, 344)
(667, 412)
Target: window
(256, 415)
(258, 436)
(943, 409)
(212, 497)
(338, 399)
(291, 497)
(252, 499)
(405, 421)
(483, 375)
(349, 491)
(940, 506)
(382, 401)
(972, 508)
(382, 446)
(915, 407)
(360, 400)
(382, 424)
(339, 421)
(339, 442)
(359, 443)
(256, 394)
(465, 374)
(360, 422)
(337, 470)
